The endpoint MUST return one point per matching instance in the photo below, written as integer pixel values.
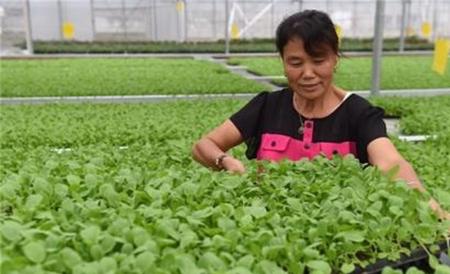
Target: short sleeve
(371, 125)
(247, 118)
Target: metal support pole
(214, 18)
(60, 20)
(154, 23)
(272, 15)
(2, 14)
(124, 21)
(377, 48)
(402, 27)
(227, 22)
(186, 21)
(178, 22)
(408, 14)
(300, 5)
(28, 33)
(435, 21)
(93, 19)
(354, 17)
(148, 20)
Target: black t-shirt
(269, 124)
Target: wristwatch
(219, 160)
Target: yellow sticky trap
(234, 31)
(441, 49)
(339, 32)
(426, 29)
(68, 30)
(180, 6)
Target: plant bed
(99, 208)
(101, 77)
(354, 73)
(236, 46)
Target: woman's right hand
(233, 165)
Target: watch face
(220, 159)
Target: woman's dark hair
(313, 27)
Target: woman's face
(310, 77)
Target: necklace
(300, 128)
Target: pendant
(300, 130)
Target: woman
(309, 118)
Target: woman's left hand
(436, 207)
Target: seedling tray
(417, 258)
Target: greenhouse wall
(204, 20)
